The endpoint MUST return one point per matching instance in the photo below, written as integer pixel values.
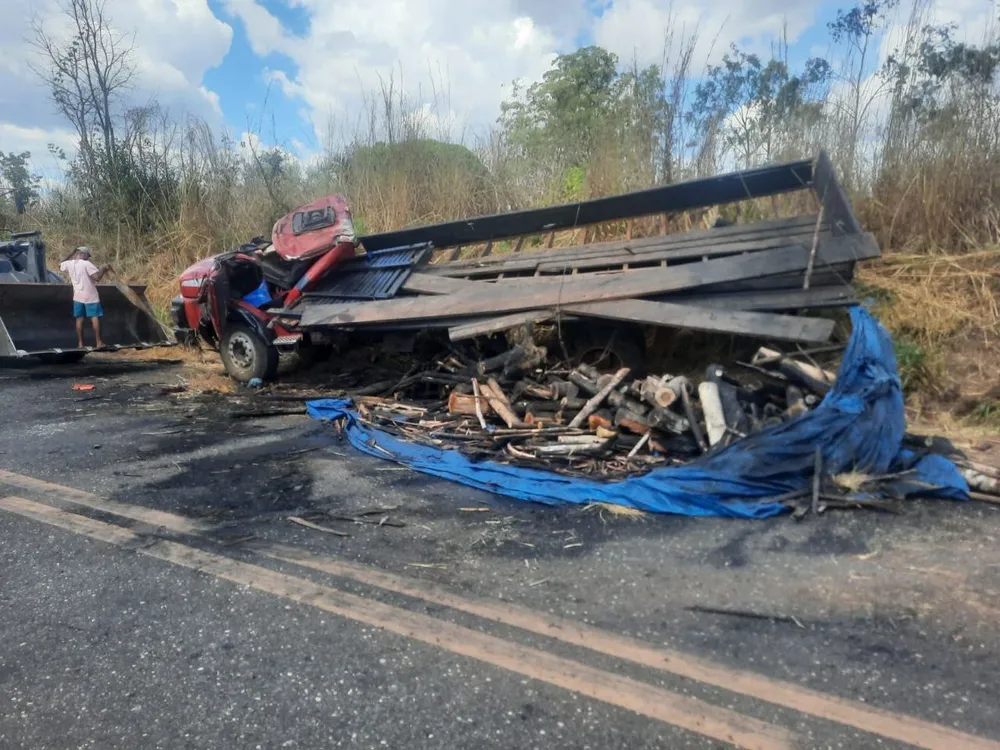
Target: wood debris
(581, 421)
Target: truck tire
(246, 355)
(62, 358)
(607, 346)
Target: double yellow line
(649, 700)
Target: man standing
(86, 301)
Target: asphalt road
(154, 594)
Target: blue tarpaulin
(859, 425)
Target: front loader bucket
(38, 319)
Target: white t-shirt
(80, 271)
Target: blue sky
(296, 72)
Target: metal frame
(680, 196)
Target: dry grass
(933, 297)
(615, 511)
(852, 481)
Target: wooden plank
(838, 274)
(773, 301)
(529, 294)
(655, 255)
(672, 315)
(680, 196)
(836, 206)
(776, 300)
(488, 326)
(736, 232)
(425, 283)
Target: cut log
(599, 398)
(564, 389)
(808, 376)
(500, 404)
(796, 402)
(479, 403)
(632, 422)
(618, 399)
(689, 414)
(465, 404)
(580, 439)
(560, 449)
(666, 420)
(658, 392)
(737, 421)
(539, 391)
(584, 383)
(715, 417)
(501, 361)
(602, 419)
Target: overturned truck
(483, 275)
(36, 309)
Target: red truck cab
(229, 300)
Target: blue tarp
(859, 425)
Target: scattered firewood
(715, 417)
(599, 398)
(464, 404)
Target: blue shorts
(87, 310)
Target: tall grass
(925, 180)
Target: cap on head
(84, 251)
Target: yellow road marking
(648, 700)
(57, 492)
(890, 725)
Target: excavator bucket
(37, 319)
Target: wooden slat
(734, 233)
(836, 207)
(771, 300)
(780, 300)
(765, 325)
(533, 294)
(652, 248)
(681, 196)
(670, 254)
(794, 299)
(487, 326)
(838, 274)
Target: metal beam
(680, 196)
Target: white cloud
(447, 56)
(640, 29)
(176, 42)
(459, 55)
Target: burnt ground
(896, 611)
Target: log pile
(582, 421)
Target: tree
(754, 108)
(87, 74)
(565, 111)
(19, 184)
(857, 29)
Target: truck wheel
(246, 355)
(608, 347)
